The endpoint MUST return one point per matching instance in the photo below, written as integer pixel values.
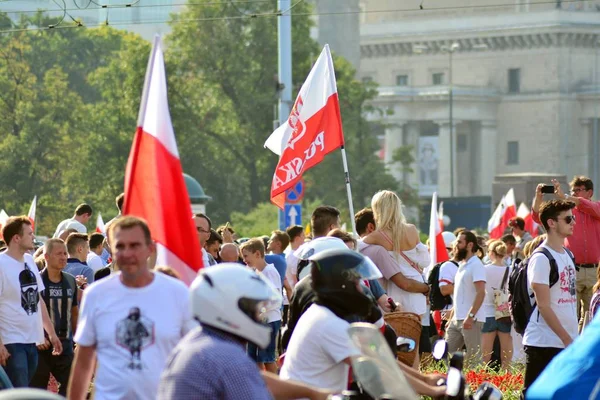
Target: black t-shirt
(54, 297)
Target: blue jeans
(267, 355)
(22, 363)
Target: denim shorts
(267, 355)
(492, 325)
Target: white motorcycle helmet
(449, 239)
(232, 298)
(313, 247)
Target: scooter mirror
(405, 345)
(453, 382)
(487, 391)
(440, 349)
(457, 360)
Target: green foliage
(69, 100)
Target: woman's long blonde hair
(387, 211)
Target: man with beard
(469, 293)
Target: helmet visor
(258, 307)
(365, 270)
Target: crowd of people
(267, 317)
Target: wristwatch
(471, 315)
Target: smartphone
(548, 189)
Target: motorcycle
(380, 378)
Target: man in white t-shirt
(253, 253)
(131, 321)
(83, 213)
(322, 221)
(23, 313)
(553, 324)
(93, 260)
(469, 292)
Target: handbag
(502, 301)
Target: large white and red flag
(495, 228)
(530, 225)
(154, 185)
(31, 213)
(441, 214)
(3, 218)
(313, 129)
(100, 227)
(437, 246)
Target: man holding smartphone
(585, 241)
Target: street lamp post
(451, 49)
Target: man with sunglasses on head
(552, 325)
(23, 313)
(585, 241)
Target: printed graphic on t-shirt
(135, 333)
(29, 291)
(567, 285)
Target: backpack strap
(504, 279)
(46, 293)
(553, 266)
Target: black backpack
(521, 308)
(437, 300)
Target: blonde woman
(405, 283)
(496, 274)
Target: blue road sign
(296, 193)
(282, 226)
(293, 214)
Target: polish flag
(3, 218)
(100, 228)
(154, 185)
(530, 225)
(31, 213)
(510, 208)
(313, 129)
(495, 228)
(437, 247)
(441, 214)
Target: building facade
(481, 91)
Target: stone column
(393, 139)
(444, 169)
(487, 157)
(411, 138)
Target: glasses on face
(201, 230)
(568, 219)
(577, 190)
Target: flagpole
(348, 189)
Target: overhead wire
(277, 14)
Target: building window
(461, 142)
(512, 153)
(401, 80)
(514, 80)
(437, 78)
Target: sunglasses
(568, 219)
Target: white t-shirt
(317, 350)
(70, 224)
(134, 330)
(464, 289)
(563, 299)
(270, 272)
(94, 261)
(20, 306)
(446, 277)
(410, 302)
(494, 275)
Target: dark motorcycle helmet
(336, 280)
(339, 270)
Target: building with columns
(480, 90)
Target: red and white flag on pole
(437, 247)
(100, 228)
(441, 214)
(530, 225)
(313, 129)
(3, 218)
(154, 185)
(510, 208)
(31, 213)
(495, 228)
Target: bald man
(229, 252)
